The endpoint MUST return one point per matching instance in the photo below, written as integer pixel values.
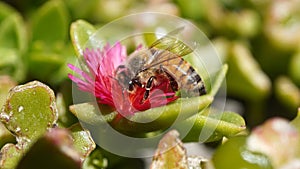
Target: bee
(161, 61)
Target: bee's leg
(148, 87)
(174, 84)
(133, 82)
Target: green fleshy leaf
(83, 142)
(294, 68)
(11, 64)
(222, 45)
(246, 23)
(170, 153)
(234, 154)
(50, 23)
(103, 10)
(11, 155)
(287, 92)
(162, 117)
(245, 75)
(65, 118)
(194, 9)
(159, 117)
(81, 31)
(95, 160)
(13, 33)
(220, 77)
(241, 23)
(29, 111)
(6, 83)
(61, 109)
(62, 72)
(88, 113)
(46, 63)
(54, 150)
(5, 136)
(217, 124)
(296, 122)
(5, 11)
(49, 37)
(81, 9)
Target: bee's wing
(167, 48)
(172, 44)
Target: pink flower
(99, 79)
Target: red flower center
(127, 103)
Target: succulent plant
(257, 42)
(30, 114)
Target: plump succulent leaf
(211, 125)
(13, 33)
(234, 154)
(50, 23)
(11, 155)
(170, 153)
(245, 75)
(296, 122)
(83, 142)
(5, 136)
(29, 111)
(81, 31)
(5, 11)
(54, 150)
(287, 92)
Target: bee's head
(123, 76)
(123, 79)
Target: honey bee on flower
(147, 78)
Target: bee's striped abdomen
(185, 75)
(194, 79)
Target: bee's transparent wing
(166, 49)
(172, 44)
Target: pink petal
(80, 72)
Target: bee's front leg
(148, 87)
(132, 82)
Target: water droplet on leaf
(20, 109)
